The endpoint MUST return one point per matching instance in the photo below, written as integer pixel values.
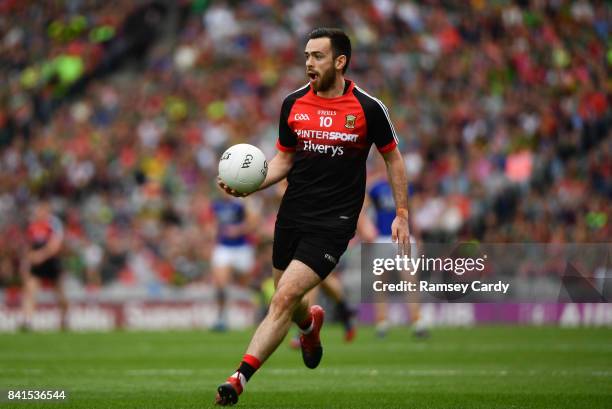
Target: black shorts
(49, 269)
(319, 251)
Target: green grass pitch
(484, 367)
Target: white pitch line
(491, 347)
(158, 372)
(441, 372)
(342, 371)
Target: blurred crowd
(116, 113)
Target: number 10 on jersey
(325, 121)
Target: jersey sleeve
(57, 226)
(287, 139)
(380, 128)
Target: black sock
(344, 313)
(248, 366)
(221, 302)
(247, 370)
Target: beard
(325, 81)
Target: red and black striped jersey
(331, 138)
(41, 231)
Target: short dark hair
(340, 43)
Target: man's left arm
(50, 249)
(398, 179)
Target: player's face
(320, 64)
(40, 212)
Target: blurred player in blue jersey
(233, 251)
(380, 200)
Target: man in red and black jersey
(45, 236)
(326, 130)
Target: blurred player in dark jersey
(326, 130)
(42, 262)
(233, 251)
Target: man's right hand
(229, 190)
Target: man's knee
(31, 284)
(277, 274)
(285, 300)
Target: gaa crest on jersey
(350, 121)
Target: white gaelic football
(243, 167)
